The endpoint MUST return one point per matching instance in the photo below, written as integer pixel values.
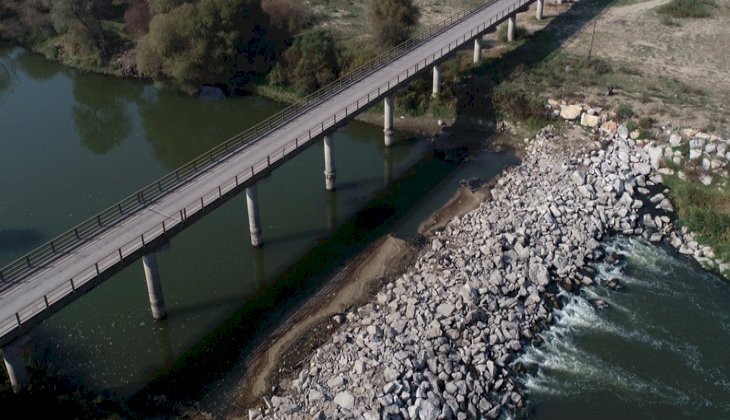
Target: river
(658, 351)
(75, 143)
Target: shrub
(668, 21)
(685, 9)
(646, 122)
(137, 18)
(310, 63)
(704, 210)
(508, 100)
(631, 126)
(624, 112)
(290, 15)
(211, 41)
(521, 32)
(393, 21)
(164, 6)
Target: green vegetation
(393, 21)
(512, 102)
(704, 210)
(521, 32)
(667, 20)
(685, 9)
(310, 63)
(211, 41)
(624, 112)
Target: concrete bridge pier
(388, 120)
(477, 51)
(511, 21)
(436, 81)
(329, 162)
(539, 9)
(254, 219)
(15, 366)
(154, 287)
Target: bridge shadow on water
(222, 350)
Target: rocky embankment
(438, 341)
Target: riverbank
(440, 339)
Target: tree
(393, 21)
(165, 6)
(137, 18)
(310, 63)
(83, 19)
(291, 15)
(210, 41)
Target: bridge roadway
(57, 280)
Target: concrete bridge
(39, 284)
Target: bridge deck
(58, 281)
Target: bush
(631, 126)
(310, 63)
(508, 100)
(393, 21)
(158, 7)
(137, 18)
(290, 15)
(668, 21)
(211, 41)
(521, 32)
(704, 210)
(624, 112)
(646, 122)
(685, 9)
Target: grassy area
(686, 9)
(705, 211)
(520, 32)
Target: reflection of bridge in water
(57, 273)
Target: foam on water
(565, 369)
(657, 283)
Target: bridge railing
(71, 239)
(130, 206)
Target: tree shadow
(100, 113)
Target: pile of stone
(438, 341)
(672, 151)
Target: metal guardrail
(130, 207)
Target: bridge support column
(511, 21)
(436, 81)
(254, 220)
(539, 9)
(329, 162)
(15, 365)
(154, 287)
(477, 51)
(388, 120)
